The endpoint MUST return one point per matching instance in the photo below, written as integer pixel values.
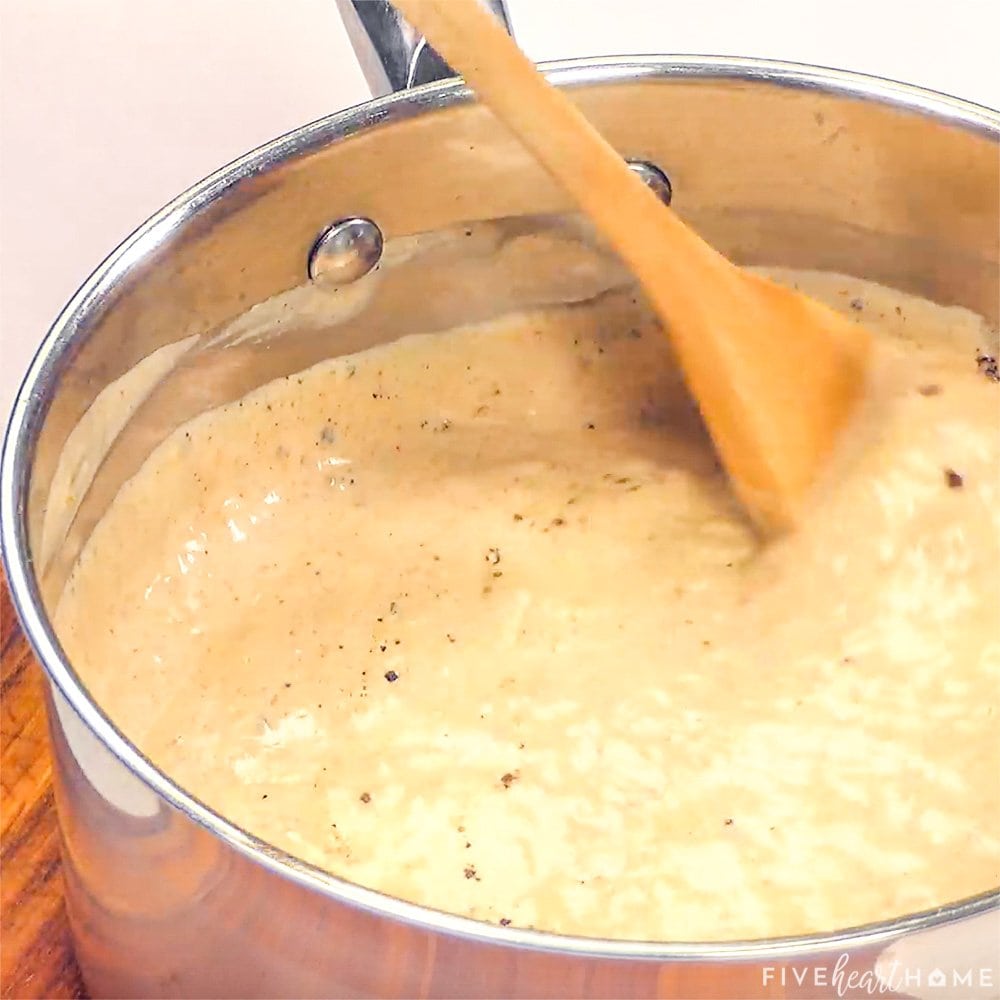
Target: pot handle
(392, 54)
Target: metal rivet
(345, 251)
(654, 178)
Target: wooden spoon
(776, 375)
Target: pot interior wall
(770, 174)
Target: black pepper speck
(987, 364)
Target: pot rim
(40, 383)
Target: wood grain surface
(36, 954)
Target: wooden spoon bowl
(776, 374)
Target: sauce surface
(473, 619)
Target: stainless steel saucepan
(394, 210)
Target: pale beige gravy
(472, 619)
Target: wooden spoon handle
(558, 134)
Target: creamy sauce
(472, 619)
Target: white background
(108, 108)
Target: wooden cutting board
(36, 953)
